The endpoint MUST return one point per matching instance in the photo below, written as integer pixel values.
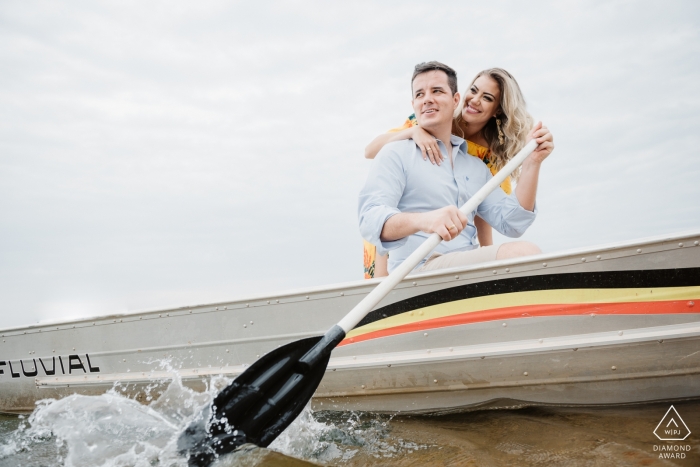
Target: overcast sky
(157, 154)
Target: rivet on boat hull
(457, 277)
(415, 283)
(691, 304)
(639, 250)
(583, 260)
(525, 373)
(425, 334)
(661, 341)
(680, 245)
(613, 368)
(696, 243)
(495, 272)
(434, 381)
(363, 386)
(544, 265)
(505, 324)
(483, 358)
(597, 257)
(619, 333)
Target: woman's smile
(471, 110)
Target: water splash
(109, 430)
(112, 430)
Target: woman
(492, 118)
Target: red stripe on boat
(528, 311)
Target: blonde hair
(516, 122)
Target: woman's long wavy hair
(516, 122)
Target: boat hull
(609, 325)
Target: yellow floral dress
(473, 149)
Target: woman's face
(482, 101)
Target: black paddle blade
(262, 401)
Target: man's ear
(456, 99)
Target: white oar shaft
(382, 290)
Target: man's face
(433, 101)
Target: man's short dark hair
(430, 66)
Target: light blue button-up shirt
(401, 181)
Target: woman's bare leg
(380, 266)
(483, 231)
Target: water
(113, 431)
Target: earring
(500, 132)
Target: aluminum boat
(615, 324)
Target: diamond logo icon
(672, 427)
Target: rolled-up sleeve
(380, 197)
(505, 214)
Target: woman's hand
(530, 170)
(545, 141)
(428, 145)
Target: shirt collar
(459, 142)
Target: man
(406, 198)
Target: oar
(261, 402)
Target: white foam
(111, 430)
